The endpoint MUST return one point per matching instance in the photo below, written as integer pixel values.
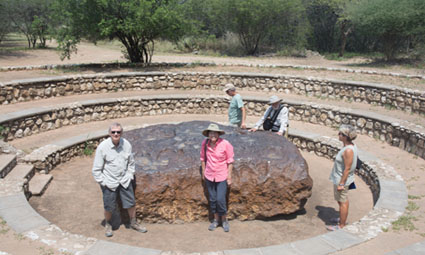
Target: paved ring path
(14, 208)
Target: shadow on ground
(326, 214)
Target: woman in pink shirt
(217, 167)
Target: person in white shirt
(113, 169)
(275, 118)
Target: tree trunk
(390, 46)
(150, 51)
(134, 51)
(33, 42)
(42, 42)
(344, 35)
(146, 53)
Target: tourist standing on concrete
(275, 118)
(217, 164)
(113, 169)
(342, 174)
(237, 114)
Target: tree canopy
(30, 17)
(4, 20)
(231, 27)
(393, 23)
(253, 21)
(135, 23)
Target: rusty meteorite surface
(270, 177)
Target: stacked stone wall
(28, 124)
(376, 94)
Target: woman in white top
(342, 174)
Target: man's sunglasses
(115, 132)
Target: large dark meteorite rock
(270, 177)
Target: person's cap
(213, 127)
(229, 86)
(348, 130)
(274, 99)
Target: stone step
(39, 183)
(7, 163)
(21, 171)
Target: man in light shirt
(113, 169)
(237, 113)
(275, 118)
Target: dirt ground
(61, 205)
(73, 192)
(87, 53)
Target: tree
(39, 30)
(255, 20)
(135, 23)
(5, 26)
(323, 17)
(393, 23)
(205, 17)
(330, 26)
(30, 17)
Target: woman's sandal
(333, 227)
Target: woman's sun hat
(213, 127)
(348, 130)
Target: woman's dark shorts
(110, 197)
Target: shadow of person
(326, 214)
(279, 217)
(116, 220)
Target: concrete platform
(39, 183)
(7, 163)
(21, 171)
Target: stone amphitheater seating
(20, 175)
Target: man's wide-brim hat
(213, 127)
(274, 99)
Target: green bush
(88, 149)
(227, 45)
(394, 24)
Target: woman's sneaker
(213, 225)
(226, 226)
(108, 230)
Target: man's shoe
(226, 226)
(108, 230)
(136, 226)
(213, 225)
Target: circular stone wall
(270, 177)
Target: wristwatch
(342, 185)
